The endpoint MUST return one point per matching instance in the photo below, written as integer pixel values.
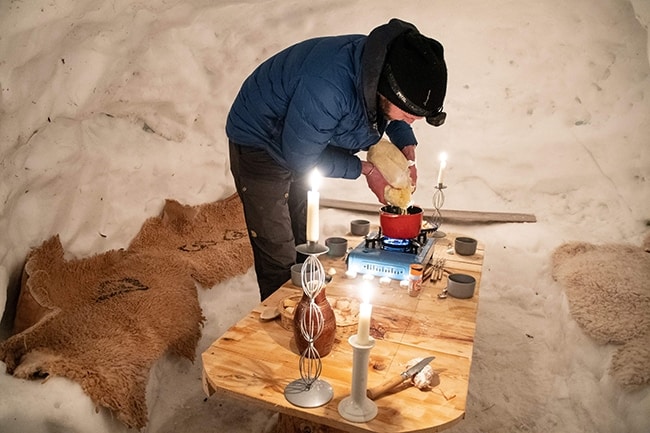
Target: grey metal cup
(296, 275)
(337, 246)
(461, 285)
(465, 246)
(359, 227)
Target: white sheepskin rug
(608, 289)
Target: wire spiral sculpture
(438, 202)
(312, 321)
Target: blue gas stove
(382, 256)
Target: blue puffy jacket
(314, 104)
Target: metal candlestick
(357, 407)
(312, 248)
(438, 202)
(309, 390)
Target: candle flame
(314, 180)
(443, 159)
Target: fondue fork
(441, 268)
(435, 268)
(430, 269)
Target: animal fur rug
(103, 321)
(608, 288)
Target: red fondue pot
(397, 225)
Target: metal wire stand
(438, 202)
(309, 390)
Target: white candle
(313, 198)
(443, 164)
(365, 312)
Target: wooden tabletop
(255, 360)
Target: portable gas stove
(382, 256)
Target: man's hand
(413, 172)
(409, 153)
(376, 182)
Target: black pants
(275, 209)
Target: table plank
(255, 361)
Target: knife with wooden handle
(376, 391)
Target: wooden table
(254, 360)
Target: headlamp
(437, 119)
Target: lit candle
(313, 198)
(365, 311)
(443, 164)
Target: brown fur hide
(608, 289)
(103, 321)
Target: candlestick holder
(438, 202)
(312, 248)
(310, 391)
(357, 407)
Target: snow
(109, 107)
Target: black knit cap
(414, 76)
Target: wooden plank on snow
(448, 215)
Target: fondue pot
(396, 224)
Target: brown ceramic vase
(325, 340)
